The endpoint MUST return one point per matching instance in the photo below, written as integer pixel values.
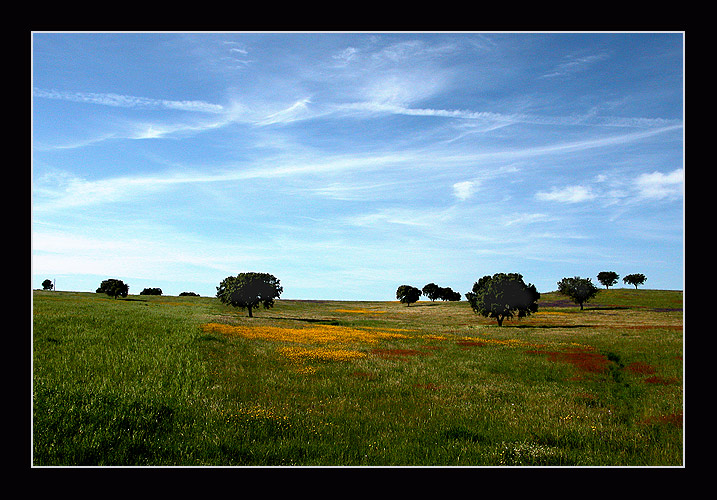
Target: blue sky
(347, 164)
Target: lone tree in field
(408, 294)
(249, 291)
(607, 278)
(579, 289)
(113, 288)
(634, 279)
(47, 285)
(503, 296)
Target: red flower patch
(661, 380)
(584, 360)
(641, 368)
(471, 343)
(671, 419)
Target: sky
(348, 164)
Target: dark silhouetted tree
(408, 294)
(151, 291)
(607, 278)
(249, 291)
(634, 279)
(47, 285)
(432, 291)
(447, 293)
(503, 296)
(114, 288)
(579, 289)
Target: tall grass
(186, 381)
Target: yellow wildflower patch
(328, 342)
(319, 334)
(320, 354)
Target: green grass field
(158, 380)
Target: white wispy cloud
(652, 186)
(568, 194)
(658, 185)
(128, 101)
(574, 64)
(464, 190)
(297, 111)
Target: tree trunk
(500, 320)
(250, 308)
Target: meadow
(186, 381)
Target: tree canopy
(635, 279)
(608, 278)
(114, 288)
(447, 293)
(579, 289)
(408, 294)
(249, 291)
(503, 295)
(431, 290)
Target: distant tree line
(505, 295)
(501, 296)
(434, 292)
(408, 294)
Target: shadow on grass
(331, 321)
(547, 326)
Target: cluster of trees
(118, 288)
(505, 295)
(609, 278)
(433, 292)
(408, 294)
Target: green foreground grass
(145, 382)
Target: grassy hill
(158, 380)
